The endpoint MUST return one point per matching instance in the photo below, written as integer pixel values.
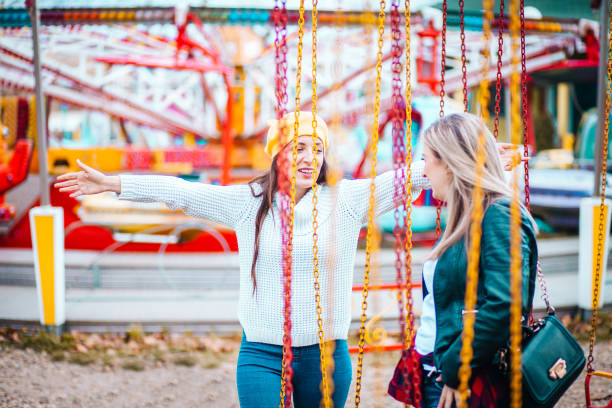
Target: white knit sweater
(343, 209)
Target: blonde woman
(450, 147)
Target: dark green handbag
(552, 360)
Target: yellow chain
(602, 206)
(298, 90)
(515, 243)
(10, 119)
(516, 292)
(32, 130)
(483, 94)
(325, 389)
(515, 81)
(471, 284)
(408, 328)
(369, 236)
(334, 175)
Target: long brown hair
(268, 183)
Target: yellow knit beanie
(273, 142)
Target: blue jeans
(431, 391)
(259, 375)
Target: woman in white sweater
(252, 211)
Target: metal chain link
(515, 242)
(443, 58)
(325, 388)
(498, 81)
(463, 57)
(471, 284)
(544, 294)
(414, 363)
(525, 103)
(370, 231)
(442, 95)
(516, 294)
(399, 179)
(287, 214)
(602, 206)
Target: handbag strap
(549, 309)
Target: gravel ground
(32, 379)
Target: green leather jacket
(491, 328)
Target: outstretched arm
(222, 204)
(356, 192)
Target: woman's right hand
(87, 181)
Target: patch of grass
(82, 358)
(210, 360)
(159, 356)
(108, 360)
(58, 355)
(187, 360)
(133, 364)
(581, 328)
(135, 332)
(44, 341)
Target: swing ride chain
(280, 57)
(409, 326)
(370, 231)
(399, 180)
(442, 95)
(463, 58)
(443, 62)
(515, 219)
(32, 119)
(498, 82)
(602, 206)
(471, 284)
(325, 381)
(287, 214)
(472, 276)
(525, 102)
(399, 151)
(483, 91)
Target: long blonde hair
(453, 139)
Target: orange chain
(409, 326)
(515, 242)
(32, 130)
(602, 207)
(471, 284)
(298, 88)
(370, 233)
(325, 388)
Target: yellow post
(47, 228)
(587, 255)
(563, 112)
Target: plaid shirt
(489, 388)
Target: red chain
(442, 94)
(280, 48)
(498, 83)
(438, 220)
(525, 101)
(443, 59)
(463, 59)
(399, 161)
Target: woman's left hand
(507, 152)
(449, 395)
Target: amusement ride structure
(217, 99)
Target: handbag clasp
(558, 370)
